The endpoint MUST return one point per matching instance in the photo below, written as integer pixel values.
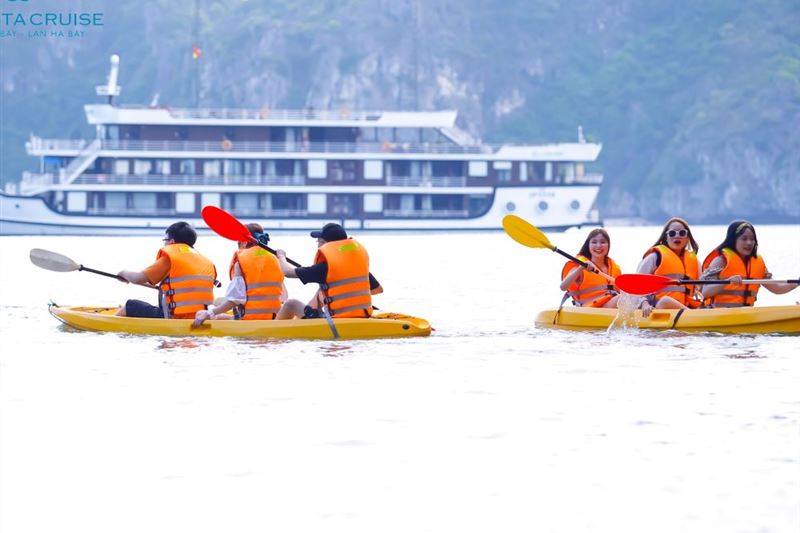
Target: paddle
(529, 235)
(60, 263)
(228, 226)
(640, 284)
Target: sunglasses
(679, 233)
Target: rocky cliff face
(696, 105)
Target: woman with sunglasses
(586, 286)
(736, 259)
(674, 255)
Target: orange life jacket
(679, 268)
(736, 295)
(594, 290)
(263, 281)
(346, 289)
(189, 285)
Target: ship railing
(34, 183)
(426, 181)
(80, 163)
(188, 180)
(588, 179)
(232, 146)
(266, 113)
(266, 213)
(37, 145)
(171, 211)
(426, 213)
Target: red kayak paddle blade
(225, 224)
(641, 284)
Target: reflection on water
(191, 343)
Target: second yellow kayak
(776, 319)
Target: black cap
(330, 232)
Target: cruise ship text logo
(34, 24)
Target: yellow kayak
(777, 319)
(380, 325)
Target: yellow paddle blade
(525, 233)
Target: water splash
(626, 318)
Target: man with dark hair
(185, 278)
(341, 267)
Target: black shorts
(140, 309)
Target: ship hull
(567, 206)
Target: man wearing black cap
(341, 267)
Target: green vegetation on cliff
(696, 103)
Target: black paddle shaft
(107, 274)
(721, 281)
(270, 250)
(571, 258)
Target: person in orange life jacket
(341, 267)
(586, 287)
(673, 255)
(736, 259)
(257, 290)
(185, 278)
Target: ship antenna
(111, 89)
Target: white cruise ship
(292, 170)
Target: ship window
(548, 171)
(408, 135)
(317, 203)
(76, 201)
(373, 170)
(398, 168)
(187, 167)
(163, 167)
(316, 169)
(184, 202)
(447, 202)
(144, 202)
(479, 204)
(142, 166)
(343, 205)
(478, 169)
(373, 203)
(566, 171)
(287, 201)
(503, 174)
(430, 135)
(121, 167)
(386, 134)
(368, 135)
(210, 198)
(211, 168)
(232, 167)
(116, 200)
(342, 170)
(246, 203)
(448, 168)
(250, 168)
